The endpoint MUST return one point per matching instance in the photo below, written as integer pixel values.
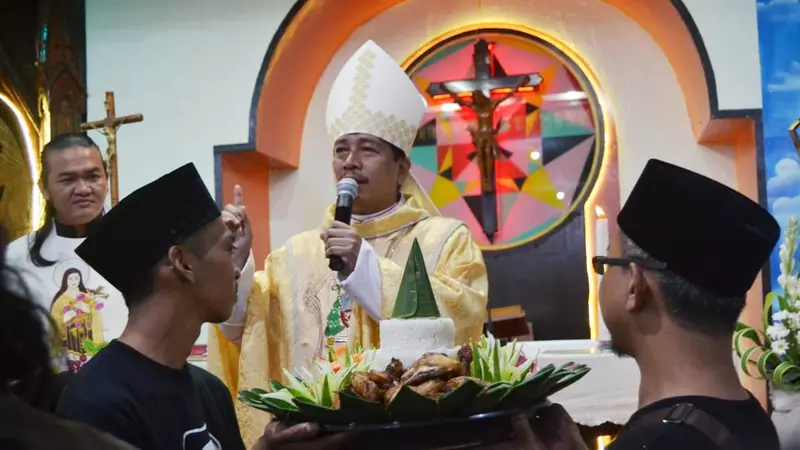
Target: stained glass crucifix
(490, 87)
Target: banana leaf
(407, 405)
(321, 414)
(278, 408)
(468, 399)
(548, 384)
(567, 381)
(359, 410)
(459, 398)
(524, 393)
(258, 391)
(275, 386)
(489, 398)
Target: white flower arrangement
(776, 353)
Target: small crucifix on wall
(108, 127)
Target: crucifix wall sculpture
(490, 87)
(108, 127)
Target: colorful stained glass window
(548, 139)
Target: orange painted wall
(251, 171)
(747, 183)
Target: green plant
(775, 353)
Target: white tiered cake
(408, 339)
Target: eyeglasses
(600, 264)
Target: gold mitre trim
(373, 95)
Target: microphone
(346, 192)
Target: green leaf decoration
(258, 391)
(488, 400)
(321, 414)
(552, 381)
(326, 399)
(786, 376)
(415, 298)
(495, 383)
(407, 405)
(459, 399)
(275, 386)
(273, 406)
(566, 381)
(359, 410)
(525, 392)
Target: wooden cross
(108, 127)
(489, 79)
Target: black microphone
(346, 192)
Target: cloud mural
(786, 180)
(779, 32)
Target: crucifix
(490, 80)
(794, 135)
(108, 127)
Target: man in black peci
(168, 249)
(674, 285)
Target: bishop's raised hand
(235, 217)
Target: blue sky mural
(779, 35)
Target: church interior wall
(189, 68)
(612, 44)
(191, 71)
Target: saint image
(76, 311)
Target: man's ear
(637, 288)
(44, 190)
(403, 169)
(178, 261)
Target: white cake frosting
(409, 339)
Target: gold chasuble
(298, 308)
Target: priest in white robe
(86, 308)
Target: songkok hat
(131, 239)
(373, 95)
(702, 230)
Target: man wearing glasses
(674, 285)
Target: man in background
(74, 184)
(299, 308)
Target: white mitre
(373, 95)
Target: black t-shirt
(154, 407)
(746, 420)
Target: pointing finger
(238, 195)
(232, 210)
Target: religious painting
(77, 310)
(779, 32)
(509, 144)
(16, 185)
